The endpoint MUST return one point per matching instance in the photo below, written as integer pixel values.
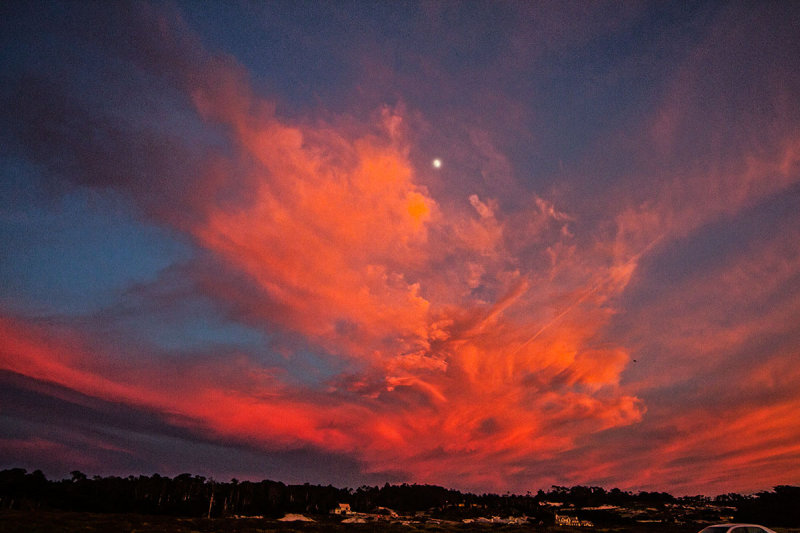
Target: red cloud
(459, 346)
(458, 349)
(470, 334)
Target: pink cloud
(472, 322)
(460, 345)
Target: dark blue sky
(224, 248)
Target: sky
(225, 248)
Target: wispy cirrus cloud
(487, 312)
(454, 336)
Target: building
(573, 521)
(342, 509)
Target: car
(736, 528)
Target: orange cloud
(458, 349)
(466, 332)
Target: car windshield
(716, 529)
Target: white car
(737, 528)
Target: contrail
(558, 317)
(588, 293)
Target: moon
(437, 163)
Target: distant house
(573, 521)
(342, 509)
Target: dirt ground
(66, 522)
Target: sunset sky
(225, 248)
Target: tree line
(189, 495)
